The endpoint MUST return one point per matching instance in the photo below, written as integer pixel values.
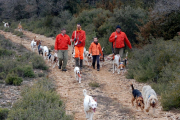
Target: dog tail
(84, 92)
(132, 86)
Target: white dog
(77, 74)
(45, 52)
(90, 105)
(116, 62)
(6, 24)
(150, 98)
(33, 45)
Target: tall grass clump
(158, 64)
(39, 102)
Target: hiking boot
(77, 62)
(98, 67)
(81, 64)
(98, 70)
(64, 70)
(59, 66)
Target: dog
(53, 59)
(116, 62)
(6, 25)
(122, 67)
(45, 52)
(77, 74)
(90, 105)
(136, 95)
(20, 28)
(150, 98)
(101, 58)
(33, 45)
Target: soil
(113, 95)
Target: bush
(94, 84)
(13, 79)
(4, 52)
(38, 62)
(20, 34)
(3, 113)
(39, 101)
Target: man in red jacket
(79, 37)
(118, 38)
(61, 47)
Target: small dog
(101, 58)
(54, 59)
(20, 28)
(45, 52)
(6, 25)
(136, 95)
(122, 67)
(77, 74)
(33, 45)
(116, 62)
(90, 105)
(150, 98)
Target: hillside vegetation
(151, 27)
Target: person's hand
(71, 40)
(115, 36)
(75, 39)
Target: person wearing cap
(79, 37)
(119, 38)
(61, 47)
(95, 50)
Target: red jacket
(121, 38)
(95, 49)
(80, 36)
(62, 42)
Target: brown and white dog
(101, 58)
(122, 67)
(53, 59)
(6, 25)
(20, 28)
(136, 95)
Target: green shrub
(3, 113)
(171, 98)
(38, 62)
(41, 74)
(4, 52)
(39, 101)
(94, 84)
(20, 34)
(13, 79)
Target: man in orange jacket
(79, 37)
(61, 47)
(118, 38)
(95, 49)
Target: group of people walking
(118, 38)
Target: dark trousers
(95, 58)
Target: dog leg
(132, 101)
(79, 79)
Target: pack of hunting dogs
(58, 57)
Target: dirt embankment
(113, 95)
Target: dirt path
(113, 95)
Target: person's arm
(90, 49)
(100, 49)
(69, 42)
(83, 38)
(127, 41)
(56, 43)
(112, 37)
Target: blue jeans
(95, 58)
